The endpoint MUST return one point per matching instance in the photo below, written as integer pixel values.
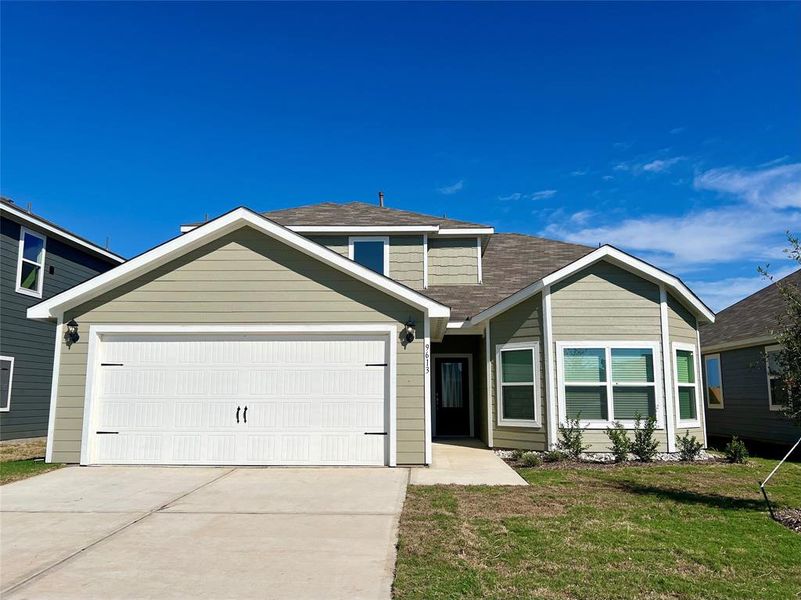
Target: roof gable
(212, 230)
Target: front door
(452, 396)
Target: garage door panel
(174, 399)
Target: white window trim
(478, 253)
(371, 238)
(37, 293)
(687, 423)
(771, 406)
(535, 351)
(608, 345)
(10, 381)
(706, 382)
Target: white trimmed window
(604, 382)
(371, 252)
(686, 385)
(6, 378)
(777, 397)
(516, 367)
(714, 381)
(30, 262)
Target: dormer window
(30, 263)
(371, 252)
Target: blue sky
(670, 130)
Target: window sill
(28, 292)
(601, 425)
(776, 407)
(688, 424)
(715, 406)
(519, 423)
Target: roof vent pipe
(381, 199)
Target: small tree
(621, 444)
(644, 445)
(689, 446)
(571, 438)
(788, 334)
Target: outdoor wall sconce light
(71, 336)
(408, 332)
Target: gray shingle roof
(751, 317)
(511, 261)
(358, 214)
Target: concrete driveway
(154, 532)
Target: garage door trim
(97, 331)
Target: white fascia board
(58, 232)
(212, 230)
(467, 231)
(357, 230)
(614, 256)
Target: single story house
(743, 391)
(354, 334)
(38, 259)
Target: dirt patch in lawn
(22, 449)
(790, 517)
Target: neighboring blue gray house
(38, 260)
(743, 395)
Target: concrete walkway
(154, 532)
(465, 462)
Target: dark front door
(452, 396)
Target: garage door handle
(375, 433)
(237, 413)
(245, 414)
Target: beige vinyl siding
(606, 303)
(244, 277)
(521, 323)
(406, 260)
(452, 261)
(337, 243)
(682, 328)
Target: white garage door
(241, 399)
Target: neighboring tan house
(38, 260)
(353, 334)
(743, 385)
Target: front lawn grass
(668, 531)
(15, 470)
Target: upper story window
(371, 252)
(777, 396)
(714, 381)
(30, 263)
(600, 383)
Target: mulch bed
(562, 465)
(789, 517)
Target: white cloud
(776, 187)
(692, 240)
(451, 189)
(661, 165)
(722, 293)
(677, 130)
(578, 173)
(607, 177)
(775, 161)
(581, 217)
(511, 197)
(543, 194)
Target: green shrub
(531, 459)
(644, 445)
(517, 454)
(621, 444)
(571, 438)
(553, 456)
(736, 452)
(689, 447)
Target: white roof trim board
(614, 256)
(59, 232)
(207, 232)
